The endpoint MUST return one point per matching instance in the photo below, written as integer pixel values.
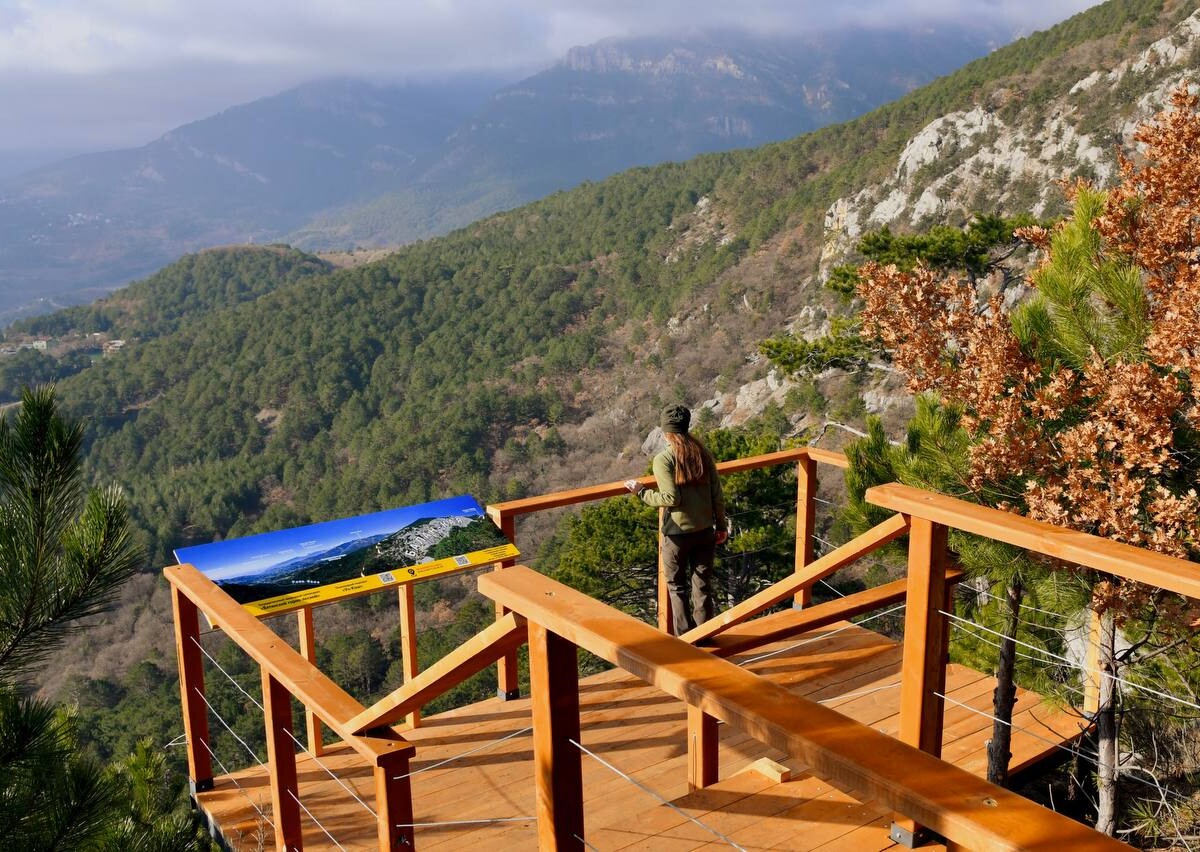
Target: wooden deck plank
(640, 730)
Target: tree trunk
(1106, 728)
(999, 746)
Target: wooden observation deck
(642, 732)
(791, 730)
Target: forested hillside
(525, 352)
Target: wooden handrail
(835, 560)
(1090, 551)
(306, 682)
(554, 500)
(793, 622)
(962, 807)
(472, 656)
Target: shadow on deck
(472, 775)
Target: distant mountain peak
(654, 59)
(340, 163)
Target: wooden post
(926, 649)
(393, 804)
(281, 760)
(703, 759)
(191, 691)
(806, 521)
(1091, 674)
(308, 650)
(408, 643)
(507, 686)
(666, 621)
(557, 769)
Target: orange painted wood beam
(408, 644)
(783, 625)
(557, 762)
(394, 806)
(806, 522)
(308, 650)
(281, 758)
(477, 653)
(703, 740)
(1090, 551)
(298, 676)
(835, 560)
(507, 685)
(960, 806)
(191, 691)
(528, 505)
(926, 639)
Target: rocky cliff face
(992, 159)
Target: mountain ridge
(339, 163)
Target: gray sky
(117, 73)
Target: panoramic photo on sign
(288, 569)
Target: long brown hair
(692, 459)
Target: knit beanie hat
(676, 419)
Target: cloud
(152, 65)
(95, 36)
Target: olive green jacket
(692, 507)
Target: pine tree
(64, 553)
(1082, 408)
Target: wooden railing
(905, 774)
(285, 674)
(805, 458)
(962, 807)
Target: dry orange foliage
(1106, 447)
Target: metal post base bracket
(201, 786)
(509, 695)
(910, 839)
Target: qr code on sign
(460, 561)
(387, 577)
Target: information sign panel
(289, 569)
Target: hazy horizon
(82, 76)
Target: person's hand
(634, 486)
(722, 536)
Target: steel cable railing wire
(241, 789)
(304, 808)
(230, 677)
(232, 732)
(1092, 758)
(1129, 773)
(489, 821)
(332, 774)
(965, 621)
(654, 794)
(821, 638)
(984, 593)
(1075, 665)
(1071, 688)
(290, 734)
(1039, 660)
(466, 753)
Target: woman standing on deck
(690, 489)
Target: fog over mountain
(97, 74)
(346, 162)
